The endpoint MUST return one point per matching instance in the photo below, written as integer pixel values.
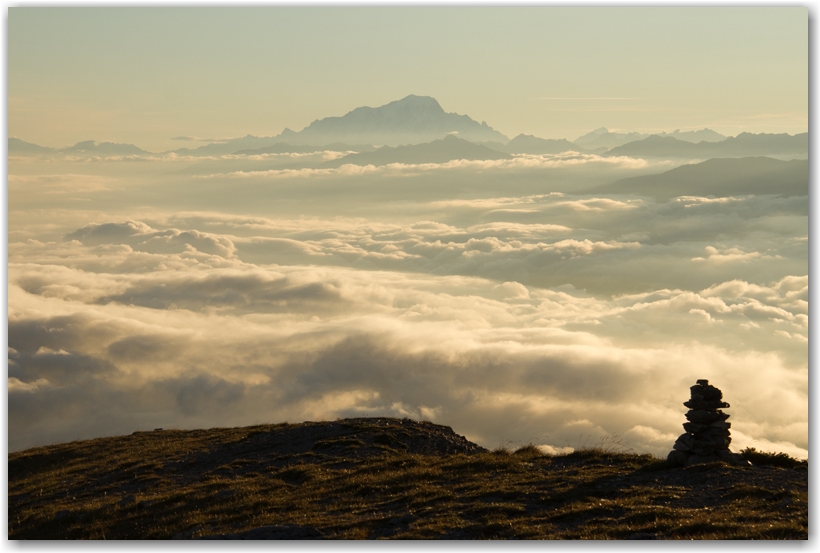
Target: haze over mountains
(742, 145)
(603, 138)
(528, 144)
(411, 120)
(443, 150)
(416, 120)
(720, 178)
(19, 147)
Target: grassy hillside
(386, 478)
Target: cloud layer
(528, 316)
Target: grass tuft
(761, 458)
(529, 450)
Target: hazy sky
(145, 75)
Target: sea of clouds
(495, 298)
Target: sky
(145, 75)
(517, 300)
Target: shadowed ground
(373, 478)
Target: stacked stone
(707, 432)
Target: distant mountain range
(528, 144)
(230, 146)
(446, 149)
(421, 121)
(19, 147)
(285, 148)
(411, 120)
(744, 144)
(104, 148)
(720, 178)
(602, 138)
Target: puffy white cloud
(238, 344)
(728, 255)
(141, 237)
(519, 162)
(529, 316)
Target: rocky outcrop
(707, 435)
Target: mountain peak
(411, 120)
(412, 105)
(418, 101)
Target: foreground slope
(384, 478)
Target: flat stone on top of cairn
(707, 436)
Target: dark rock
(707, 436)
(706, 391)
(706, 417)
(701, 459)
(703, 404)
(695, 427)
(677, 457)
(685, 442)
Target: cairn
(707, 436)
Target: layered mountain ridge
(443, 150)
(603, 139)
(719, 177)
(742, 145)
(411, 120)
(420, 120)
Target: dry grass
(368, 482)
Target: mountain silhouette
(657, 146)
(720, 177)
(286, 148)
(703, 135)
(21, 148)
(411, 120)
(528, 144)
(446, 149)
(103, 148)
(229, 146)
(603, 138)
(743, 145)
(764, 144)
